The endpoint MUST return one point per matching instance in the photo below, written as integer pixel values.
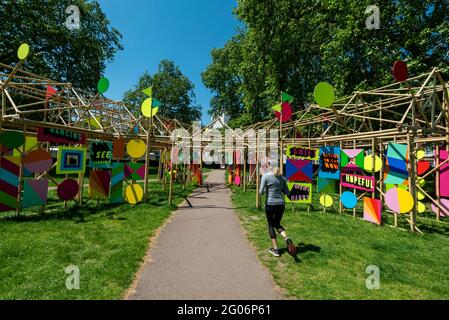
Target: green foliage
(76, 56)
(172, 88)
(290, 46)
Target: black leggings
(274, 217)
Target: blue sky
(179, 30)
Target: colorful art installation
(420, 154)
(136, 148)
(422, 167)
(300, 193)
(134, 194)
(237, 180)
(35, 193)
(12, 139)
(352, 160)
(444, 203)
(68, 189)
(353, 181)
(71, 160)
(325, 186)
(400, 71)
(299, 170)
(326, 201)
(372, 210)
(329, 163)
(296, 152)
(103, 85)
(399, 200)
(100, 155)
(23, 51)
(324, 94)
(283, 111)
(9, 182)
(286, 97)
(118, 149)
(117, 179)
(421, 207)
(30, 145)
(348, 200)
(99, 182)
(50, 92)
(396, 164)
(444, 173)
(38, 161)
(60, 136)
(135, 171)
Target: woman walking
(276, 186)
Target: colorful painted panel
(133, 194)
(329, 163)
(299, 170)
(118, 175)
(37, 161)
(396, 164)
(372, 210)
(325, 186)
(352, 160)
(118, 150)
(399, 200)
(444, 174)
(99, 182)
(135, 171)
(71, 160)
(100, 155)
(34, 193)
(300, 192)
(68, 189)
(353, 181)
(296, 152)
(9, 183)
(60, 136)
(30, 145)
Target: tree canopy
(77, 56)
(290, 46)
(174, 90)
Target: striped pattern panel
(9, 183)
(118, 175)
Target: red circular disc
(400, 71)
(68, 189)
(423, 167)
(287, 112)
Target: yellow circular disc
(147, 107)
(420, 154)
(421, 196)
(23, 51)
(134, 194)
(369, 164)
(326, 201)
(421, 207)
(421, 182)
(136, 148)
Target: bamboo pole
(257, 173)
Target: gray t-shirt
(277, 187)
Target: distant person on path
(276, 186)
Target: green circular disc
(23, 51)
(103, 85)
(12, 139)
(324, 94)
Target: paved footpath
(203, 254)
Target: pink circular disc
(237, 180)
(68, 189)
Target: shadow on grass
(300, 249)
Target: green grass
(335, 250)
(106, 242)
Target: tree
(290, 46)
(172, 88)
(77, 56)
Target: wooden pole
(244, 168)
(257, 172)
(340, 205)
(437, 179)
(147, 163)
(170, 194)
(20, 186)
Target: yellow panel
(136, 148)
(369, 164)
(326, 201)
(134, 194)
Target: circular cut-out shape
(368, 164)
(399, 200)
(237, 180)
(421, 195)
(326, 201)
(287, 112)
(445, 204)
(68, 189)
(421, 207)
(421, 182)
(422, 167)
(324, 94)
(400, 71)
(103, 85)
(134, 194)
(349, 200)
(136, 148)
(12, 139)
(420, 154)
(38, 161)
(23, 51)
(147, 107)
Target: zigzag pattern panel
(9, 183)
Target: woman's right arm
(262, 185)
